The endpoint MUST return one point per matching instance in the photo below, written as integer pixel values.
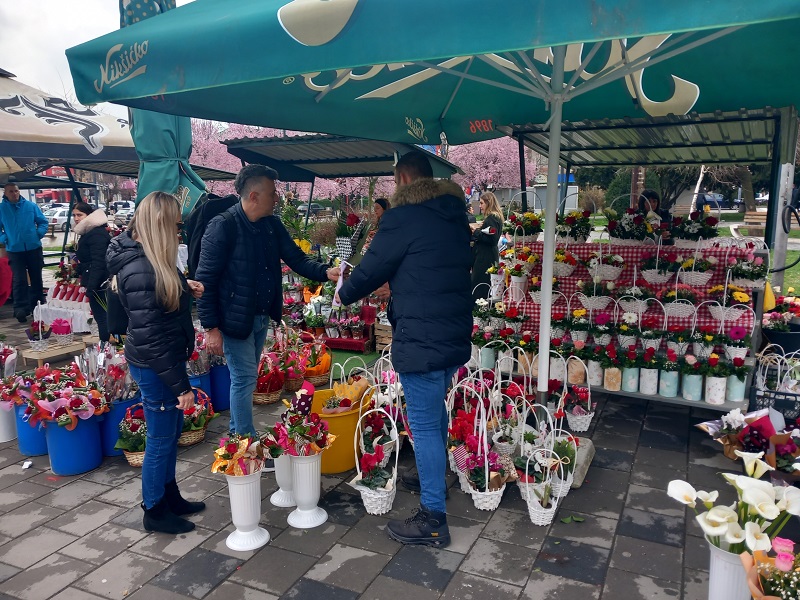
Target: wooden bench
(681, 211)
(754, 222)
(51, 230)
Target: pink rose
(758, 261)
(487, 336)
(731, 261)
(782, 545)
(690, 360)
(784, 561)
(579, 344)
(749, 257)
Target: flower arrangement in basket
(580, 325)
(696, 270)
(627, 330)
(196, 419)
(564, 262)
(579, 408)
(269, 382)
(606, 266)
(698, 225)
(238, 455)
(748, 271)
(565, 449)
(602, 329)
(728, 295)
(318, 365)
(678, 338)
(593, 293)
(736, 341)
(199, 362)
(773, 577)
(535, 288)
(529, 222)
(539, 468)
(62, 331)
(462, 426)
(630, 225)
(655, 269)
(508, 421)
(514, 318)
(133, 435)
(374, 482)
(38, 335)
(376, 432)
(481, 312)
(679, 300)
(634, 297)
(485, 474)
(574, 226)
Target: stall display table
(76, 312)
(53, 351)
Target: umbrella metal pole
(75, 194)
(308, 207)
(551, 208)
(523, 176)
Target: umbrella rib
(496, 84)
(535, 72)
(624, 53)
(344, 75)
(508, 72)
(455, 90)
(583, 65)
(526, 69)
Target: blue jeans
(243, 357)
(427, 417)
(164, 426)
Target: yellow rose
(649, 228)
(534, 280)
(522, 342)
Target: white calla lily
(682, 491)
(710, 526)
(749, 483)
(735, 534)
(753, 465)
(755, 538)
(708, 498)
(762, 503)
(788, 500)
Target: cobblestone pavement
(81, 538)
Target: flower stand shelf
(365, 344)
(52, 352)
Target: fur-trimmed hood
(422, 190)
(97, 218)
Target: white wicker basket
(695, 278)
(527, 490)
(615, 241)
(682, 243)
(536, 297)
(594, 302)
(603, 340)
(506, 448)
(560, 486)
(579, 336)
(702, 349)
(655, 277)
(463, 481)
(579, 423)
(562, 269)
(63, 339)
(609, 272)
(388, 448)
(734, 352)
(377, 502)
(748, 283)
(557, 332)
(634, 306)
(626, 341)
(488, 500)
(726, 313)
(539, 515)
(679, 309)
(654, 343)
(39, 345)
(677, 347)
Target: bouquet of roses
(307, 434)
(773, 577)
(750, 267)
(775, 321)
(698, 225)
(630, 225)
(529, 222)
(238, 455)
(575, 224)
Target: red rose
(60, 412)
(586, 214)
(712, 361)
(352, 219)
(188, 412)
(526, 338)
(94, 402)
(570, 221)
(512, 312)
(630, 211)
(612, 225)
(693, 216)
(664, 225)
(492, 230)
(135, 427)
(677, 221)
(638, 219)
(138, 414)
(631, 354)
(611, 352)
(231, 448)
(346, 402)
(513, 218)
(75, 403)
(671, 355)
(738, 362)
(711, 221)
(555, 342)
(195, 355)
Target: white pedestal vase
(307, 478)
(244, 492)
(283, 475)
(727, 580)
(595, 373)
(8, 425)
(648, 381)
(715, 390)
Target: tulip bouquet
(758, 515)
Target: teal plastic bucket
(77, 451)
(109, 424)
(220, 388)
(31, 440)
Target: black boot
(424, 527)
(410, 481)
(177, 504)
(161, 518)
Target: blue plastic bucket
(109, 424)
(220, 388)
(201, 381)
(77, 451)
(31, 440)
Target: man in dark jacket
(240, 267)
(422, 249)
(22, 227)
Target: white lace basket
(695, 278)
(594, 302)
(726, 313)
(563, 269)
(506, 448)
(626, 341)
(734, 352)
(541, 516)
(654, 343)
(376, 502)
(579, 423)
(748, 283)
(634, 306)
(63, 339)
(560, 486)
(655, 277)
(603, 340)
(609, 272)
(488, 500)
(679, 309)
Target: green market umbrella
(420, 71)
(163, 141)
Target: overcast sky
(35, 33)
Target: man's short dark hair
(415, 164)
(251, 172)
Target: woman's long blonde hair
(154, 227)
(492, 206)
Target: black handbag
(117, 317)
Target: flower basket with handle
(132, 435)
(193, 436)
(579, 418)
(542, 505)
(489, 499)
(376, 501)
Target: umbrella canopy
(331, 66)
(163, 142)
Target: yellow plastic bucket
(341, 456)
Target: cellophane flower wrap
(199, 362)
(238, 455)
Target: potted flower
(518, 271)
(688, 231)
(497, 282)
(736, 342)
(627, 330)
(196, 419)
(574, 227)
(606, 266)
(704, 340)
(357, 328)
(240, 459)
(602, 329)
(648, 372)
(564, 262)
(514, 318)
(463, 426)
(630, 227)
(678, 338)
(579, 325)
(679, 300)
(374, 482)
(594, 365)
(692, 378)
(593, 293)
(668, 376)
(504, 441)
(133, 435)
(649, 333)
(631, 362)
(749, 271)
(735, 388)
(316, 323)
(716, 372)
(529, 223)
(559, 322)
(697, 270)
(612, 375)
(535, 288)
(486, 476)
(532, 478)
(481, 312)
(566, 451)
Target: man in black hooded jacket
(422, 249)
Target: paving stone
(72, 593)
(696, 554)
(10, 456)
(216, 515)
(707, 478)
(272, 516)
(343, 508)
(170, 548)
(308, 588)
(594, 501)
(514, 528)
(121, 576)
(27, 517)
(86, 517)
(330, 482)
(573, 560)
(349, 568)
(666, 459)
(21, 493)
(387, 588)
(614, 441)
(463, 533)
(464, 586)
(405, 503)
(113, 472)
(50, 479)
(661, 440)
(621, 584)
(312, 542)
(653, 500)
(33, 546)
(544, 586)
(184, 468)
(131, 517)
(513, 500)
(695, 585)
(232, 591)
(461, 505)
(127, 495)
(216, 543)
(647, 558)
(370, 534)
(606, 479)
(46, 577)
(654, 477)
(652, 526)
(199, 453)
(628, 427)
(197, 573)
(593, 530)
(73, 494)
(14, 474)
(102, 544)
(617, 460)
(422, 565)
(151, 592)
(499, 561)
(284, 569)
(7, 571)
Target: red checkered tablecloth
(633, 256)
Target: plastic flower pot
(727, 580)
(648, 381)
(595, 373)
(734, 392)
(30, 440)
(201, 381)
(612, 379)
(692, 386)
(488, 358)
(74, 452)
(244, 492)
(109, 425)
(630, 379)
(220, 387)
(715, 390)
(8, 424)
(307, 480)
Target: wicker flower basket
(190, 438)
(655, 277)
(562, 269)
(634, 306)
(557, 332)
(292, 384)
(677, 347)
(602, 340)
(63, 339)
(568, 239)
(527, 490)
(695, 278)
(579, 423)
(726, 313)
(609, 272)
(699, 244)
(626, 341)
(560, 486)
(135, 459)
(748, 283)
(622, 242)
(377, 502)
(734, 352)
(39, 345)
(318, 380)
(506, 448)
(539, 515)
(594, 302)
(654, 343)
(262, 398)
(463, 481)
(488, 500)
(579, 336)
(388, 448)
(679, 309)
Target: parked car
(121, 204)
(58, 217)
(718, 201)
(314, 209)
(123, 216)
(762, 199)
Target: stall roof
(741, 137)
(304, 157)
(37, 182)
(130, 168)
